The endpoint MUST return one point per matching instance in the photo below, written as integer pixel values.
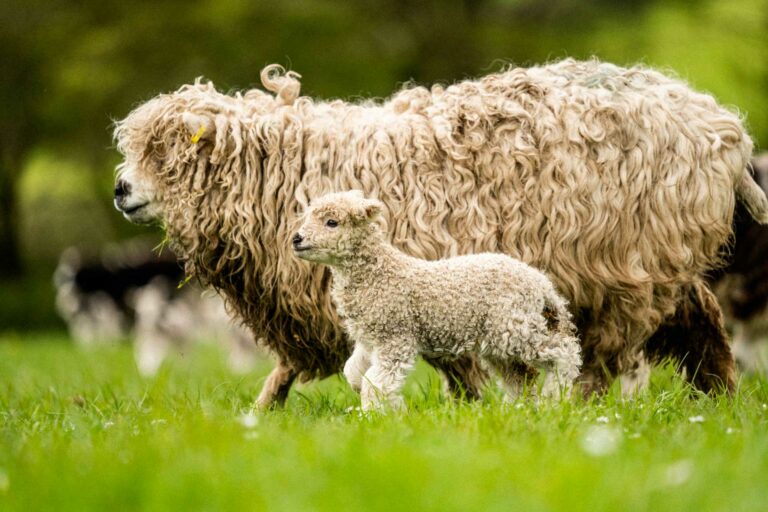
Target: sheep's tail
(752, 196)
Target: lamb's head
(336, 227)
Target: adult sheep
(619, 183)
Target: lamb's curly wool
(619, 183)
(396, 307)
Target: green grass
(81, 430)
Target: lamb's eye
(330, 223)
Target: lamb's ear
(372, 208)
(200, 127)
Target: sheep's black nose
(121, 189)
(297, 239)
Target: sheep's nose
(297, 239)
(122, 189)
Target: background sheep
(396, 307)
(132, 293)
(742, 286)
(619, 183)
(94, 294)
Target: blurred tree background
(68, 69)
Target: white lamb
(396, 307)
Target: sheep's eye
(331, 223)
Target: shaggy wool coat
(619, 183)
(396, 307)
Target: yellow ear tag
(198, 134)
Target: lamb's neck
(370, 263)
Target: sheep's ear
(372, 208)
(200, 127)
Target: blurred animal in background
(132, 293)
(93, 294)
(619, 183)
(742, 286)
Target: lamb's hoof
(385, 406)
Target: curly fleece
(396, 307)
(619, 183)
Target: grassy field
(81, 430)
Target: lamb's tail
(557, 315)
(753, 197)
(564, 349)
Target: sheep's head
(336, 226)
(171, 142)
(139, 138)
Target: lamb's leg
(695, 335)
(533, 340)
(465, 375)
(384, 380)
(276, 387)
(356, 366)
(515, 376)
(561, 360)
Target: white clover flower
(249, 420)
(678, 473)
(696, 419)
(602, 419)
(600, 441)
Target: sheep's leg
(636, 377)
(385, 378)
(600, 341)
(276, 387)
(695, 335)
(515, 376)
(465, 375)
(356, 366)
